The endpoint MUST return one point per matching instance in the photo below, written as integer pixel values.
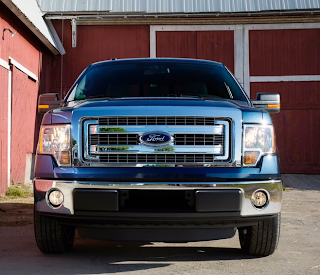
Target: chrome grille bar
(137, 149)
(133, 139)
(156, 121)
(179, 129)
(158, 158)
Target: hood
(64, 114)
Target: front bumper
(88, 199)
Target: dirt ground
(298, 251)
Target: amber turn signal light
(251, 157)
(43, 106)
(273, 105)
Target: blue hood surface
(64, 114)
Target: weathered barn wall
(27, 50)
(95, 43)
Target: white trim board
(246, 65)
(238, 38)
(9, 127)
(22, 68)
(285, 78)
(280, 26)
(192, 28)
(4, 64)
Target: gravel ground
(298, 251)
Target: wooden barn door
(287, 61)
(24, 111)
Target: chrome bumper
(273, 187)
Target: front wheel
(52, 237)
(261, 239)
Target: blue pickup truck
(162, 150)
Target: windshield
(156, 78)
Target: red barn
(271, 46)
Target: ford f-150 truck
(162, 150)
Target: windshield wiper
(89, 97)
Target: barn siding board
(3, 129)
(297, 125)
(96, 43)
(284, 52)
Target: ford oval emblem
(156, 139)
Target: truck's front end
(157, 150)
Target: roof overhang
(111, 18)
(36, 23)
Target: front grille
(195, 140)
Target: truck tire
(52, 237)
(261, 239)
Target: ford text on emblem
(156, 138)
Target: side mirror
(48, 102)
(268, 101)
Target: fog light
(260, 199)
(55, 198)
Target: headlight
(258, 140)
(55, 140)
